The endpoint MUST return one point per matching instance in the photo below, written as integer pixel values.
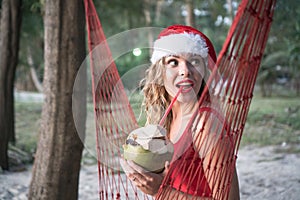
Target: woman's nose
(184, 69)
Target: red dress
(186, 171)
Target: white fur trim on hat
(175, 44)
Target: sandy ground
(264, 174)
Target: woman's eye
(196, 62)
(173, 62)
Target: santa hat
(178, 39)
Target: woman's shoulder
(211, 109)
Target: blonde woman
(203, 158)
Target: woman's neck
(180, 110)
(181, 113)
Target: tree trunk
(33, 74)
(190, 18)
(230, 9)
(35, 80)
(296, 85)
(9, 43)
(24, 82)
(57, 160)
(148, 19)
(159, 4)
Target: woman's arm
(234, 193)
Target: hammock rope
(236, 68)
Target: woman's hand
(146, 181)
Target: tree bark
(33, 74)
(35, 80)
(190, 18)
(159, 4)
(148, 20)
(9, 43)
(230, 9)
(57, 160)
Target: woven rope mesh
(230, 86)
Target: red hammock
(237, 65)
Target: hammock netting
(232, 81)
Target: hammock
(237, 67)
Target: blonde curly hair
(156, 98)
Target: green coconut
(149, 152)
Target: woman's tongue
(185, 86)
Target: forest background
(25, 70)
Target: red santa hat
(178, 39)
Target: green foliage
(276, 58)
(210, 17)
(136, 100)
(269, 71)
(32, 39)
(27, 122)
(284, 33)
(215, 22)
(273, 121)
(283, 46)
(118, 15)
(32, 22)
(129, 61)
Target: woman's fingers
(146, 181)
(136, 167)
(131, 173)
(126, 167)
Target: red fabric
(187, 175)
(186, 171)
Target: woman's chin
(187, 97)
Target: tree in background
(57, 160)
(294, 52)
(29, 73)
(190, 17)
(9, 43)
(213, 17)
(269, 72)
(281, 58)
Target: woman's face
(186, 71)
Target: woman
(203, 151)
